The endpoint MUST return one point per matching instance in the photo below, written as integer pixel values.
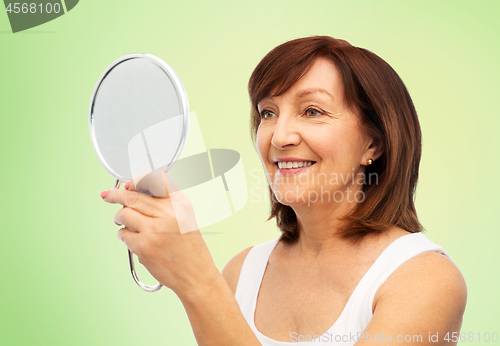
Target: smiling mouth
(294, 164)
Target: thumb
(150, 184)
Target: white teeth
(293, 164)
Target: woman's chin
(292, 198)
(314, 195)
(290, 203)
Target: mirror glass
(139, 117)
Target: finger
(132, 219)
(143, 204)
(130, 186)
(152, 184)
(130, 238)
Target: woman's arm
(231, 271)
(421, 303)
(214, 314)
(182, 262)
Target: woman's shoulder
(231, 271)
(429, 285)
(430, 271)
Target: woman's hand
(162, 232)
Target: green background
(64, 275)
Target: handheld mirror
(139, 123)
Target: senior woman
(340, 142)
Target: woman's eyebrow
(264, 101)
(306, 92)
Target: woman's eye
(311, 112)
(265, 114)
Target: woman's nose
(285, 132)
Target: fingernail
(116, 223)
(127, 185)
(104, 194)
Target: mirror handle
(131, 262)
(136, 279)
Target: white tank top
(358, 311)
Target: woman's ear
(374, 151)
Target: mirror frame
(181, 95)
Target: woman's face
(311, 123)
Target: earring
(369, 162)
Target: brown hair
(376, 92)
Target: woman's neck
(319, 229)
